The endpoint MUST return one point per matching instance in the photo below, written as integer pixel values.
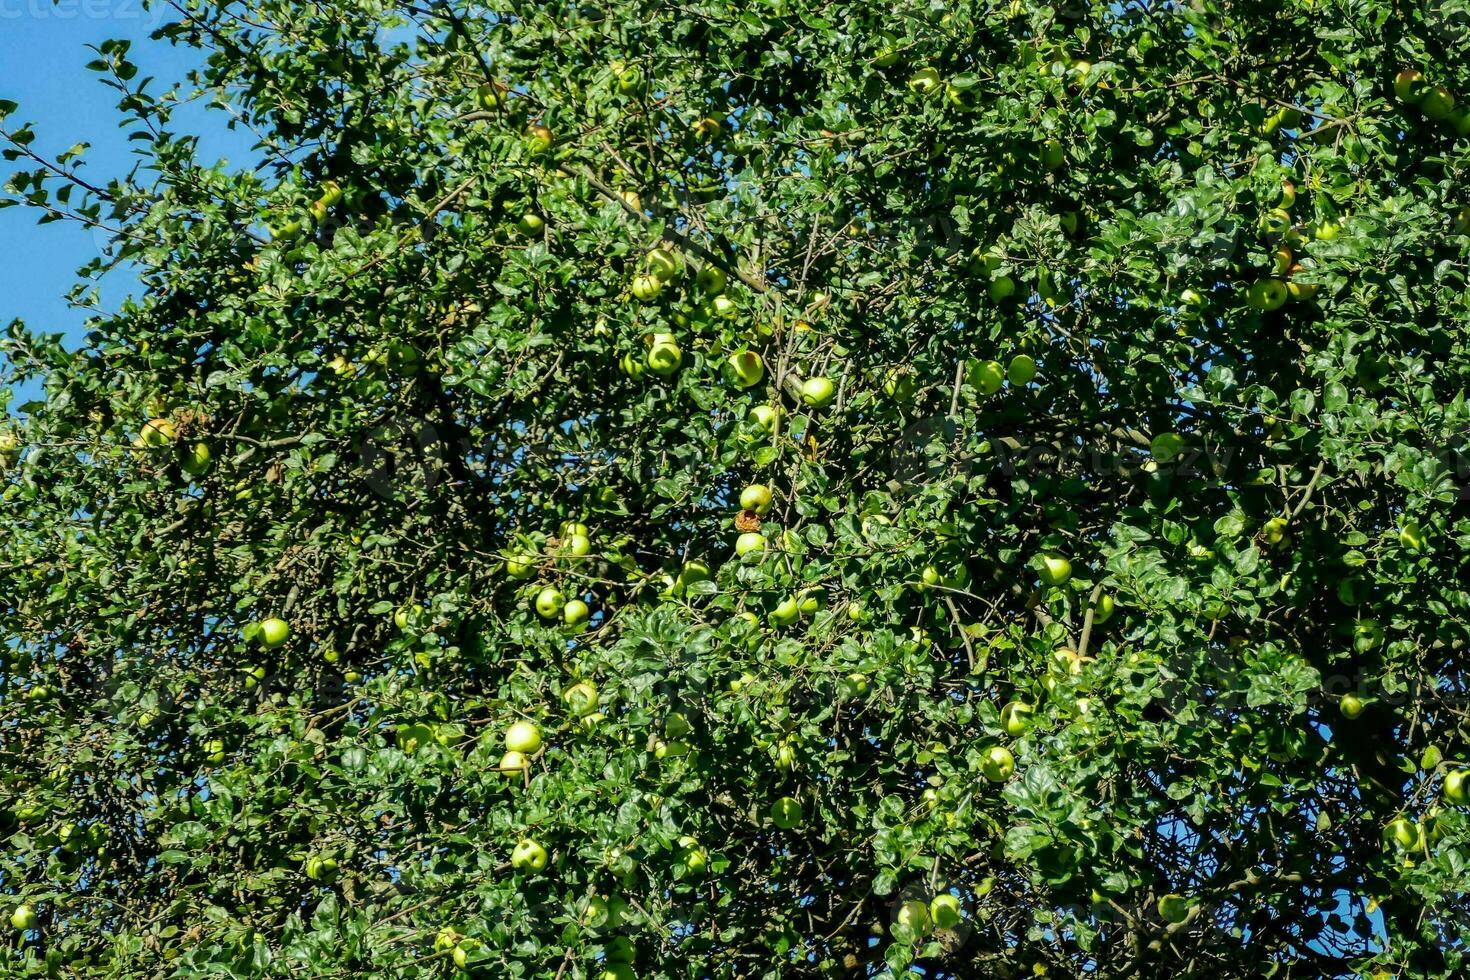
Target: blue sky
(43, 51)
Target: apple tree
(773, 489)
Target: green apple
(628, 79)
(1403, 834)
(665, 264)
(1327, 230)
(767, 417)
(787, 611)
(997, 764)
(408, 617)
(520, 566)
(1411, 536)
(195, 459)
(913, 915)
(746, 368)
(1173, 908)
(1166, 445)
(582, 698)
(1274, 530)
(1368, 635)
(1016, 718)
(321, 868)
(531, 224)
(1192, 300)
(945, 911)
(273, 632)
(1055, 570)
(632, 366)
(528, 855)
(647, 287)
(158, 433)
(810, 602)
(492, 96)
(986, 376)
(214, 751)
(664, 356)
(1103, 610)
(693, 856)
(1457, 786)
(1052, 155)
(925, 82)
(695, 570)
(786, 813)
(756, 498)
(723, 307)
(1266, 295)
(575, 612)
(817, 392)
(513, 764)
(750, 541)
(576, 545)
(23, 918)
(1408, 85)
(710, 280)
(523, 737)
(539, 138)
(785, 755)
(1437, 103)
(1022, 369)
(1001, 288)
(613, 970)
(549, 602)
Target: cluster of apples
(316, 212)
(575, 543)
(1436, 102)
(987, 377)
(920, 918)
(163, 433)
(1281, 228)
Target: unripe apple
(523, 737)
(694, 857)
(1266, 295)
(528, 855)
(710, 280)
(582, 698)
(1282, 261)
(549, 602)
(1192, 299)
(520, 566)
(195, 460)
(23, 918)
(1457, 786)
(531, 224)
(746, 368)
(1411, 536)
(408, 617)
(1104, 609)
(575, 612)
(914, 916)
(614, 970)
(925, 82)
(1351, 706)
(724, 307)
(1301, 291)
(159, 432)
(1016, 718)
(810, 602)
(785, 756)
(987, 377)
(786, 813)
(628, 79)
(214, 751)
(706, 128)
(646, 287)
(787, 611)
(576, 545)
(756, 498)
(1275, 530)
(1437, 103)
(1055, 570)
(817, 392)
(945, 911)
(1001, 288)
(492, 95)
(1404, 834)
(664, 356)
(664, 264)
(750, 541)
(997, 764)
(1327, 230)
(1408, 85)
(512, 764)
(539, 138)
(1022, 369)
(694, 571)
(1052, 155)
(767, 417)
(1173, 908)
(273, 632)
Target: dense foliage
(1106, 369)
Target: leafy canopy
(1105, 366)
